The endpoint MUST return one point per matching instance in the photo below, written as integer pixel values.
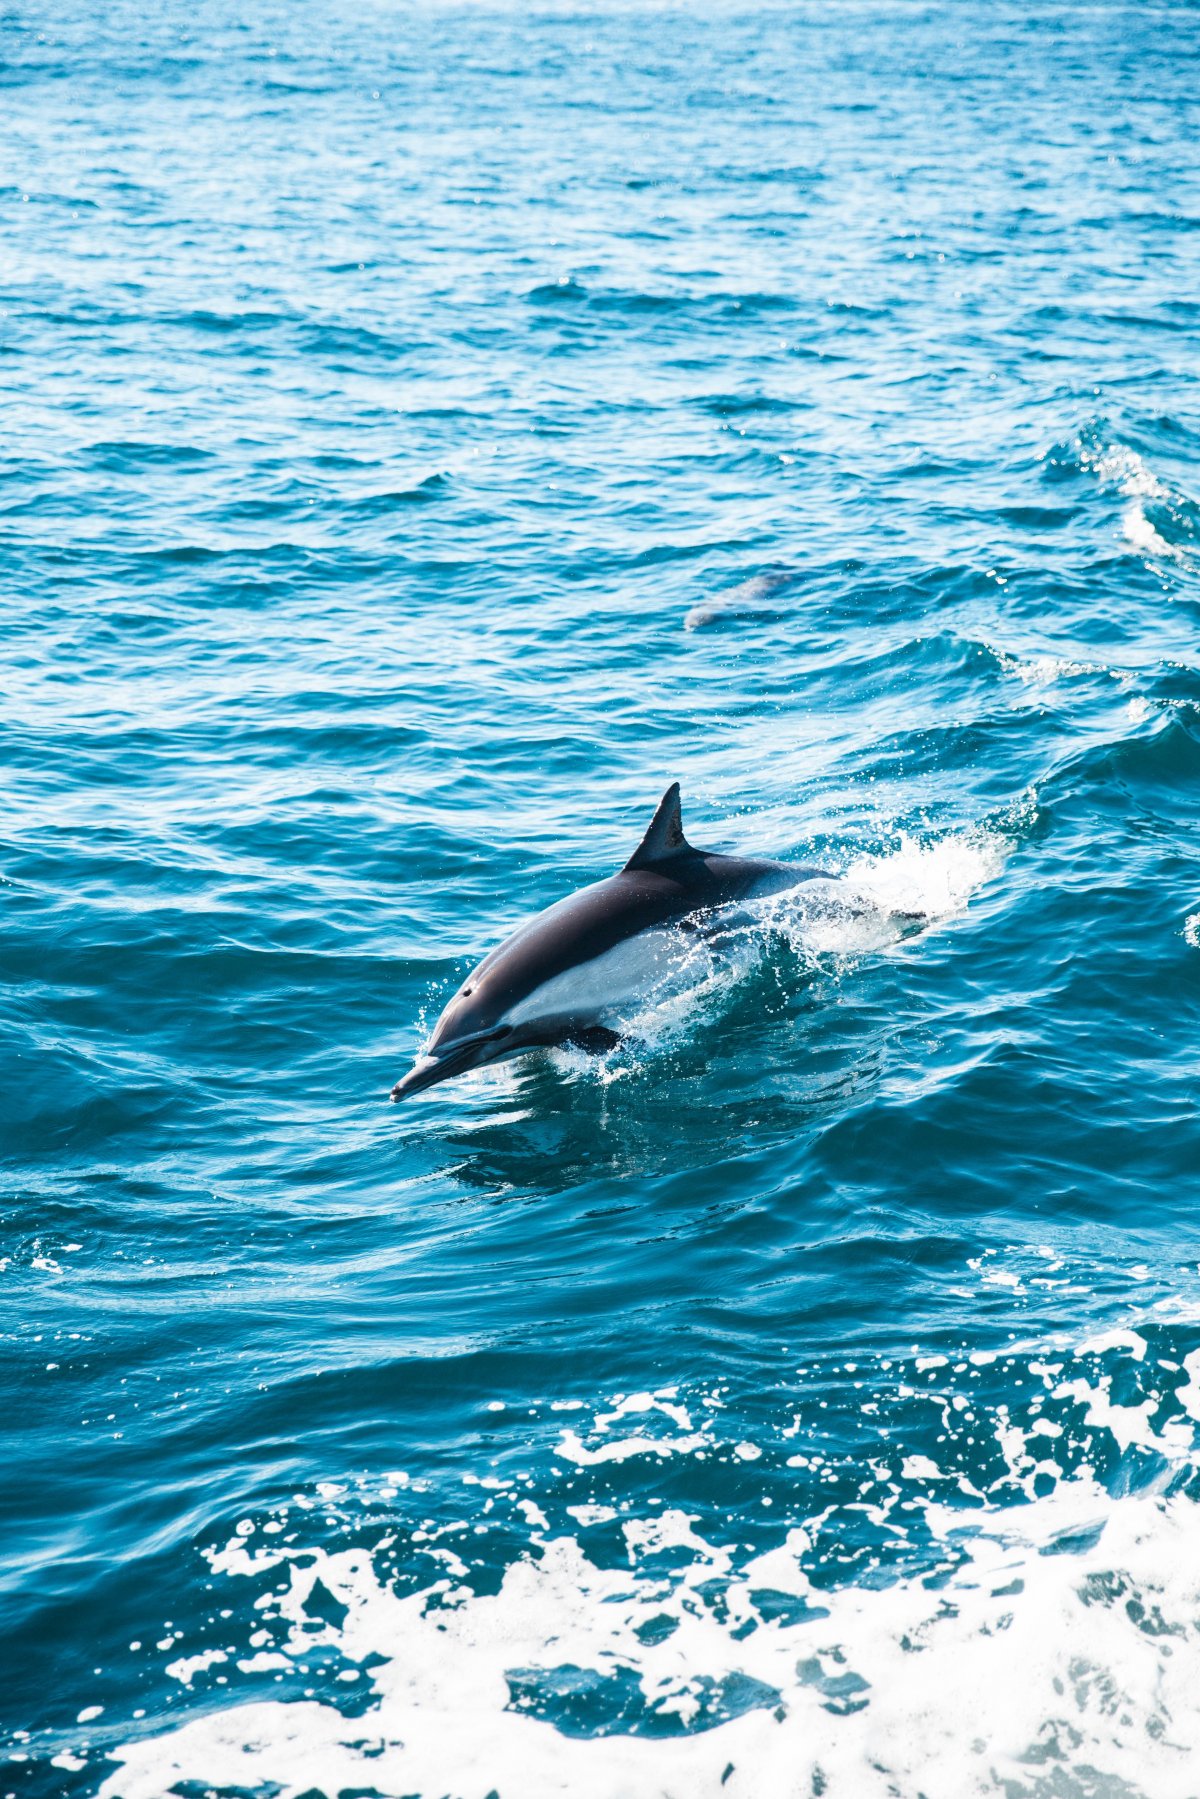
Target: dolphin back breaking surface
(558, 978)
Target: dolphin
(747, 600)
(563, 977)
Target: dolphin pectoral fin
(596, 1039)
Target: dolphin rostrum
(561, 978)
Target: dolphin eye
(467, 991)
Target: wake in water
(982, 1513)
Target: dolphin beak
(426, 1071)
(455, 1058)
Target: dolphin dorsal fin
(665, 836)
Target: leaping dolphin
(559, 977)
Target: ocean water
(425, 433)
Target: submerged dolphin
(557, 978)
(749, 599)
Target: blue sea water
(426, 432)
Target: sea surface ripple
(426, 432)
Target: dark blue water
(425, 433)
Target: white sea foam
(1045, 670)
(880, 898)
(933, 880)
(1059, 1638)
(1042, 1641)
